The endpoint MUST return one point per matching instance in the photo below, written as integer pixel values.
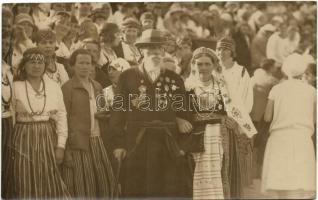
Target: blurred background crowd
(268, 29)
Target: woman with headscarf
(22, 37)
(86, 170)
(46, 40)
(40, 133)
(217, 173)
(289, 160)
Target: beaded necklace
(38, 95)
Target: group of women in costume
(47, 152)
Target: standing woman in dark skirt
(6, 107)
(40, 132)
(87, 170)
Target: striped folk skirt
(207, 181)
(89, 174)
(32, 169)
(217, 172)
(7, 130)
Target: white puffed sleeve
(61, 119)
(63, 73)
(248, 92)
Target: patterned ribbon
(239, 115)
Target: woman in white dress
(289, 161)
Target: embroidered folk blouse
(54, 107)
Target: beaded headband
(204, 50)
(35, 56)
(226, 43)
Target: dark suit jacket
(76, 99)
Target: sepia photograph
(159, 100)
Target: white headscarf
(295, 65)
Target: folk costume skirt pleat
(90, 174)
(207, 180)
(218, 172)
(6, 134)
(32, 168)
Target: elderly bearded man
(149, 124)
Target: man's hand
(119, 154)
(183, 125)
(230, 123)
(59, 155)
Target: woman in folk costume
(289, 160)
(86, 170)
(217, 173)
(46, 40)
(240, 90)
(40, 132)
(7, 112)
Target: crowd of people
(190, 100)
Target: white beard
(150, 64)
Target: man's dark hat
(150, 37)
